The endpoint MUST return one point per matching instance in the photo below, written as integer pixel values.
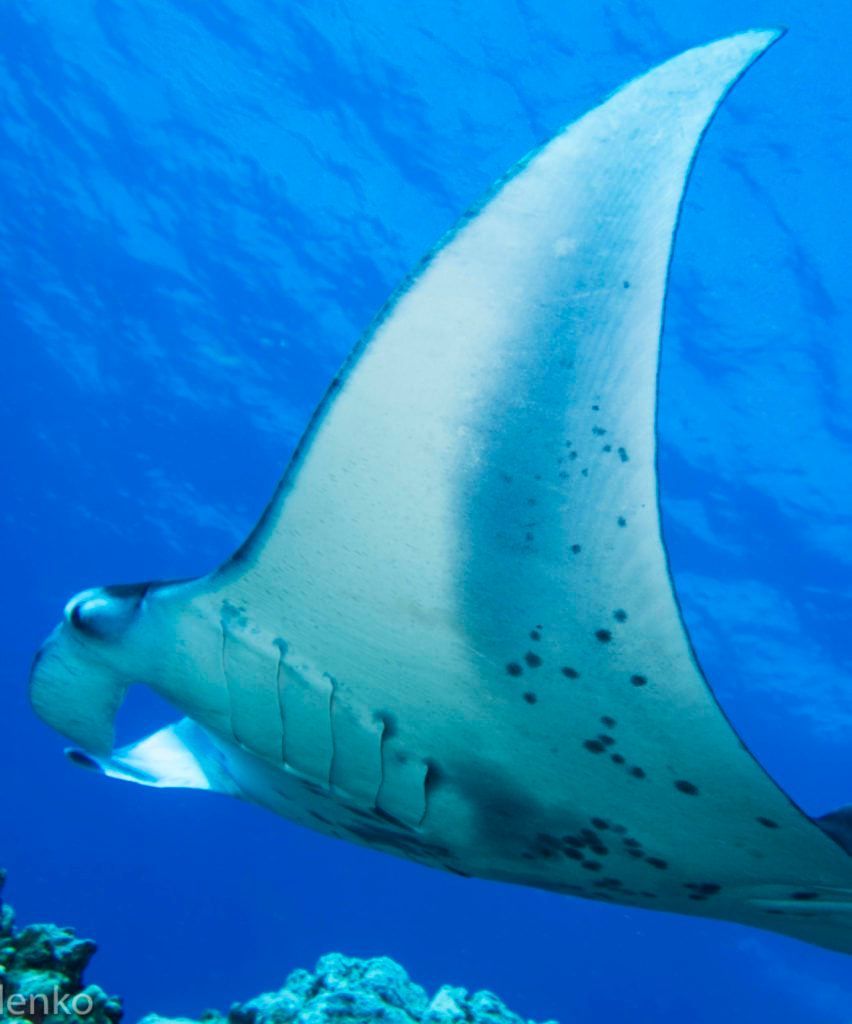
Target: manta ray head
(82, 672)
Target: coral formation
(43, 962)
(359, 992)
(41, 975)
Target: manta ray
(453, 634)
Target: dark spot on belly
(657, 862)
(609, 883)
(638, 681)
(530, 697)
(576, 549)
(804, 895)
(513, 669)
(637, 772)
(622, 454)
(603, 635)
(600, 823)
(617, 758)
(532, 659)
(701, 890)
(594, 746)
(570, 673)
(535, 635)
(495, 801)
(608, 721)
(686, 787)
(767, 822)
(592, 865)
(620, 615)
(621, 521)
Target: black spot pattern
(532, 659)
(608, 721)
(702, 890)
(535, 635)
(767, 822)
(637, 680)
(513, 669)
(594, 746)
(686, 787)
(603, 635)
(621, 521)
(620, 615)
(530, 697)
(657, 862)
(576, 549)
(570, 673)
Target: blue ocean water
(202, 207)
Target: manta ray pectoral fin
(838, 825)
(179, 756)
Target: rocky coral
(41, 975)
(41, 971)
(343, 989)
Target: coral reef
(45, 963)
(41, 975)
(343, 989)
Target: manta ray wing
(453, 633)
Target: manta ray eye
(102, 612)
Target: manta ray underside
(453, 635)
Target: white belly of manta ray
(453, 635)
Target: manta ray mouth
(74, 689)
